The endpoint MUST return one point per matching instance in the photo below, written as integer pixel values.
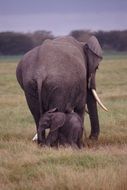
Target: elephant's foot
(35, 139)
(94, 137)
(42, 142)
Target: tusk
(98, 100)
(35, 137)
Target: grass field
(99, 166)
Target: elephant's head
(58, 120)
(66, 128)
(53, 120)
(93, 54)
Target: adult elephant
(61, 74)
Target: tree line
(12, 43)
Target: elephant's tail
(40, 87)
(41, 95)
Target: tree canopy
(12, 43)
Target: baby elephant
(65, 129)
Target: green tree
(14, 43)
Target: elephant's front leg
(93, 114)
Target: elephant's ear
(57, 121)
(45, 120)
(94, 46)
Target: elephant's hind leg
(33, 105)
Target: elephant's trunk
(98, 100)
(93, 114)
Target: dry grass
(99, 166)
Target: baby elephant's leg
(52, 139)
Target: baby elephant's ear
(57, 121)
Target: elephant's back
(62, 57)
(58, 62)
(60, 50)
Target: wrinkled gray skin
(56, 75)
(65, 129)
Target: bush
(14, 43)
